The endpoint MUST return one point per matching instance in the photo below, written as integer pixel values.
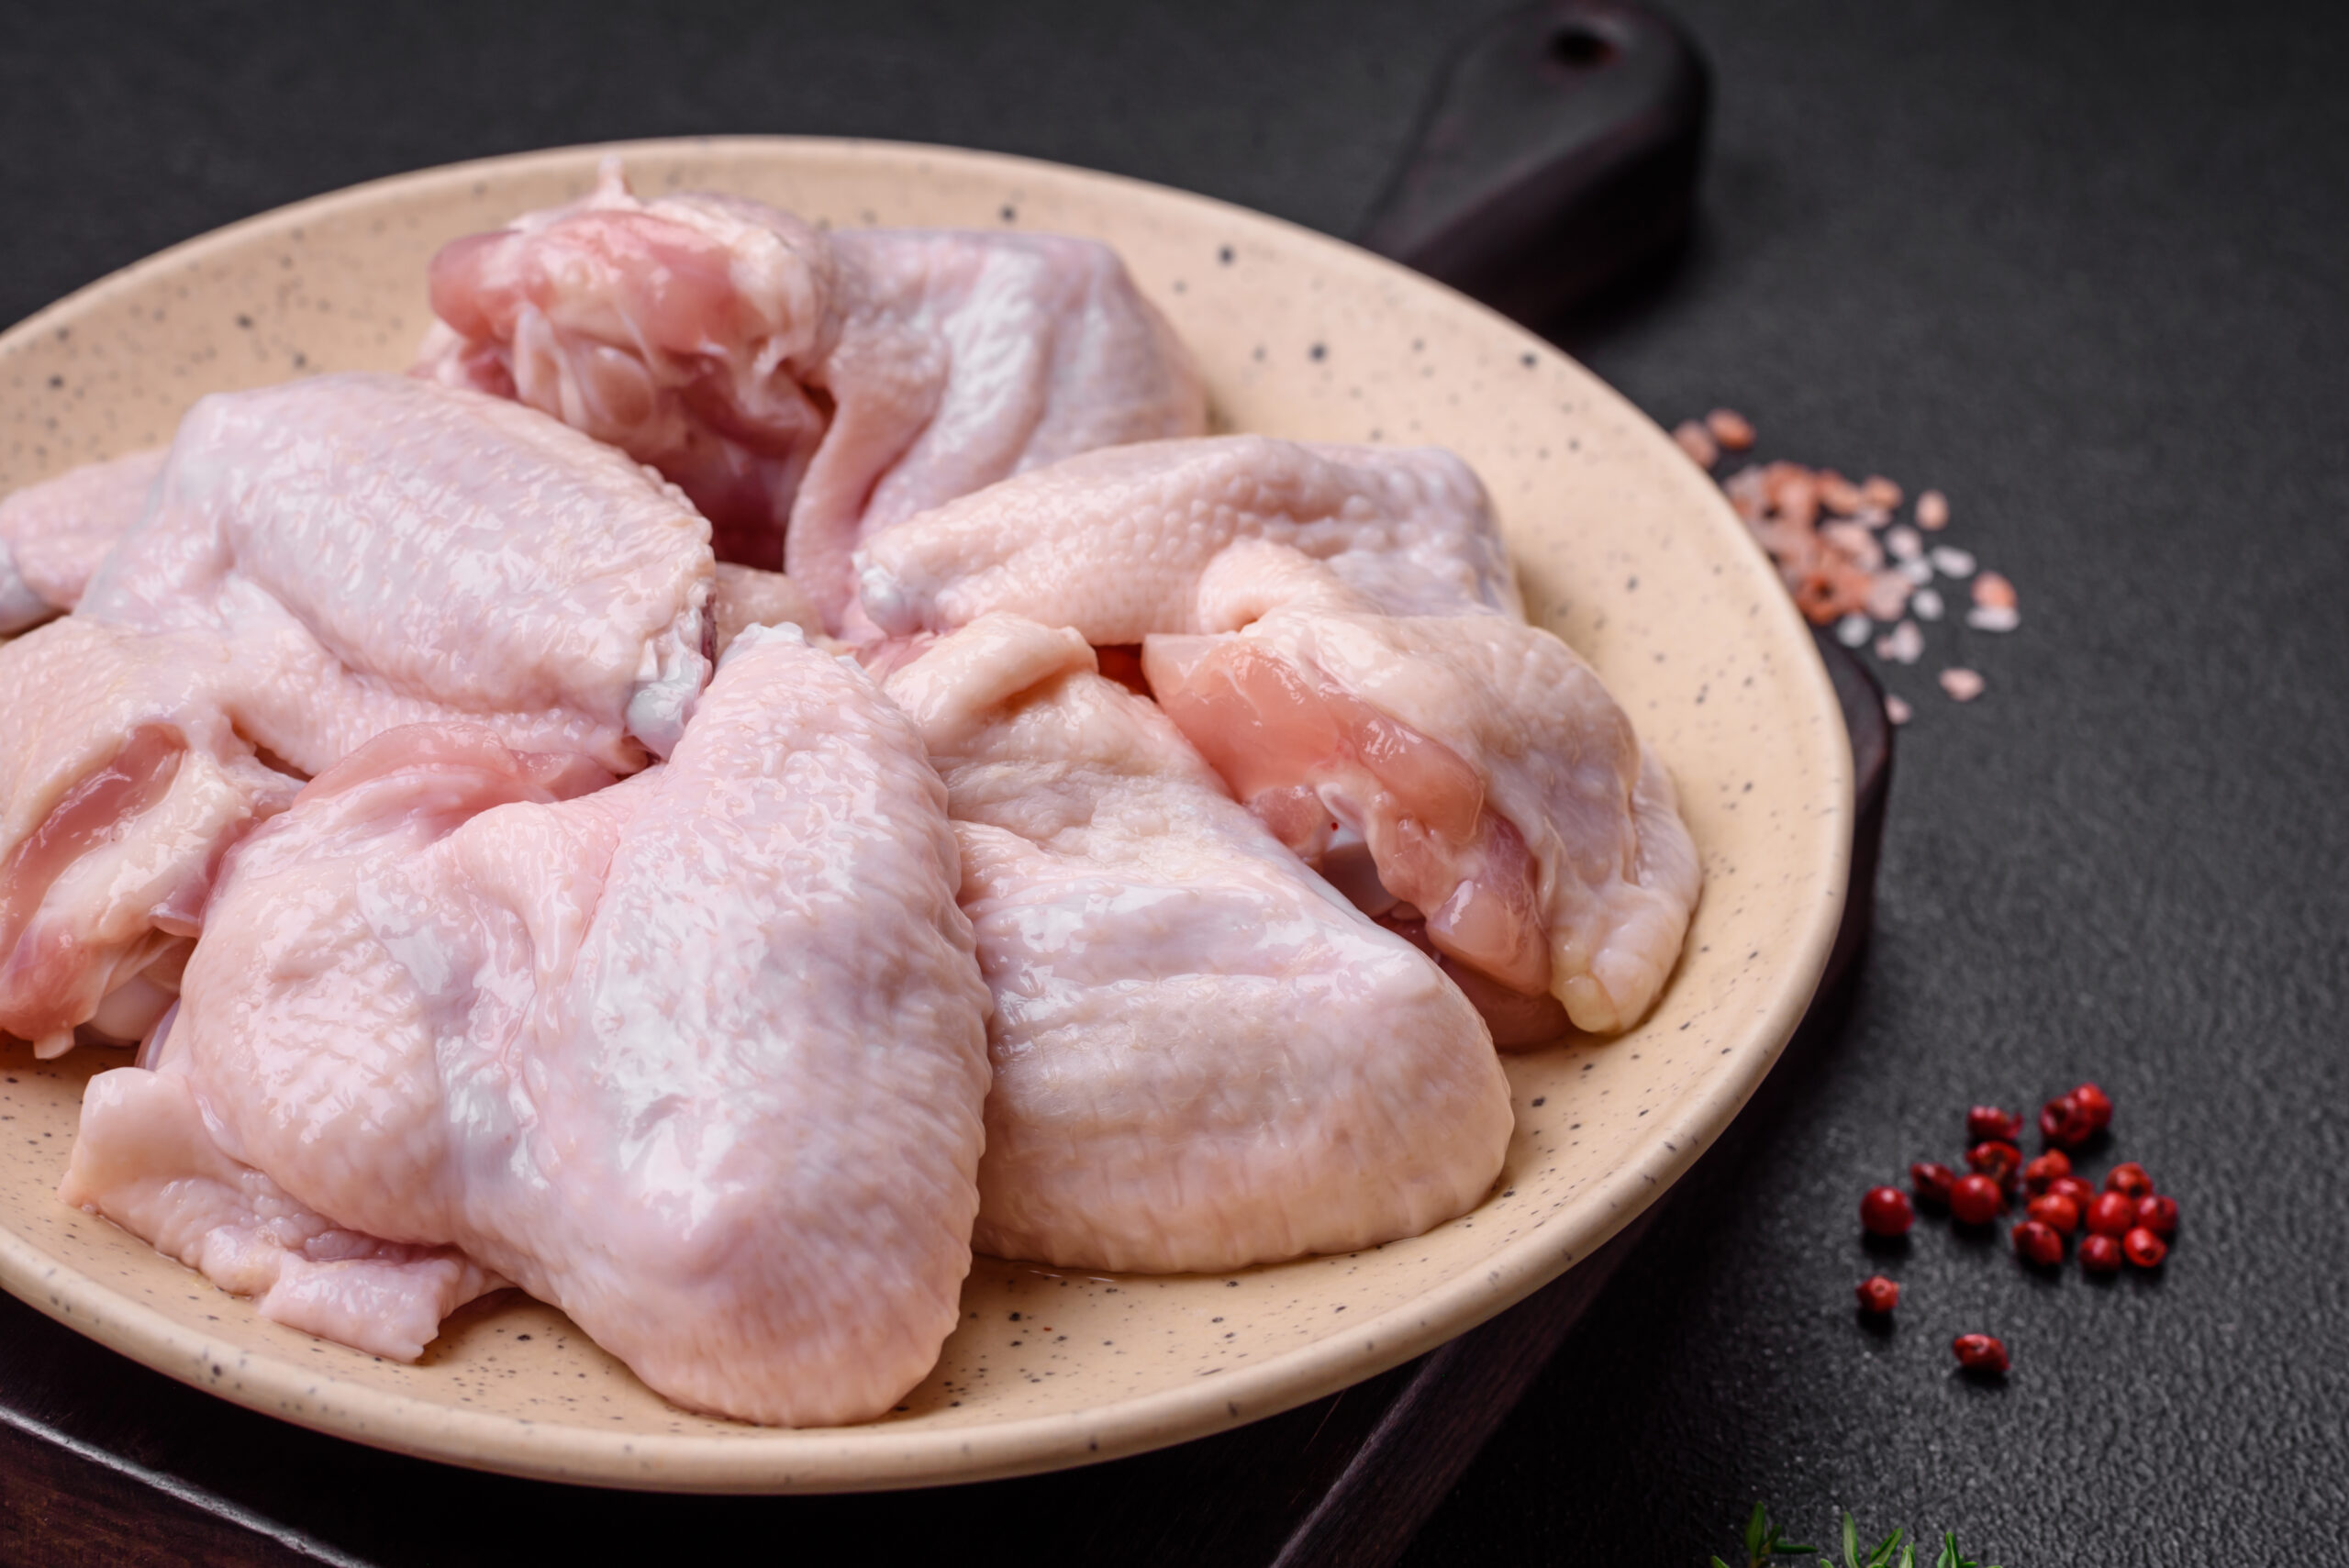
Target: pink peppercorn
(1885, 1211)
(1979, 1353)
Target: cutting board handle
(1559, 152)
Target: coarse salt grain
(1961, 683)
(1879, 491)
(1951, 562)
(1926, 603)
(1838, 495)
(1855, 542)
(1994, 591)
(1852, 630)
(1903, 542)
(1698, 442)
(1889, 596)
(1896, 710)
(1731, 429)
(1933, 511)
(1919, 570)
(1993, 617)
(1904, 645)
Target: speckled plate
(1626, 551)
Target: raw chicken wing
(322, 562)
(1500, 792)
(389, 551)
(698, 1056)
(1203, 1057)
(835, 383)
(1115, 540)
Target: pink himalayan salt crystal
(1698, 442)
(1903, 645)
(1933, 511)
(1888, 595)
(1875, 490)
(1993, 592)
(1856, 541)
(1838, 495)
(1961, 683)
(1898, 710)
(1731, 429)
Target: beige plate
(1626, 551)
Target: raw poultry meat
(1337, 632)
(829, 384)
(322, 562)
(122, 782)
(1115, 540)
(1499, 791)
(386, 551)
(1203, 1057)
(54, 534)
(698, 1056)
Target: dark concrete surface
(2081, 266)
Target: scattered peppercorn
(1979, 1353)
(1985, 1122)
(1885, 1211)
(2057, 1212)
(1996, 1160)
(2112, 1214)
(2100, 1254)
(2073, 1187)
(2128, 1177)
(2037, 1242)
(1932, 1180)
(1878, 1294)
(2094, 1104)
(2063, 1124)
(2039, 1172)
(2143, 1247)
(1975, 1199)
(2158, 1213)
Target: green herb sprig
(1765, 1541)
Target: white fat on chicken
(822, 385)
(1115, 540)
(698, 1056)
(1203, 1057)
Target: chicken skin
(807, 389)
(392, 552)
(1410, 527)
(698, 1056)
(1203, 1057)
(54, 534)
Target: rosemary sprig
(1765, 1541)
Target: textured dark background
(2084, 267)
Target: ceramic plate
(1626, 551)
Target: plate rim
(889, 1455)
